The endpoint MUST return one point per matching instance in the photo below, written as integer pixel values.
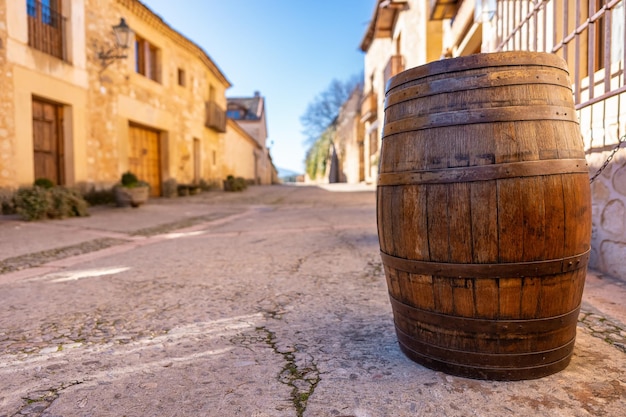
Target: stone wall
(240, 152)
(7, 123)
(609, 219)
(602, 126)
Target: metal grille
(46, 27)
(590, 35)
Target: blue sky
(288, 50)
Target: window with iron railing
(46, 27)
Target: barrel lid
(476, 61)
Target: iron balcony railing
(46, 29)
(215, 117)
(369, 107)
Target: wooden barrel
(484, 214)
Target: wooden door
(145, 156)
(48, 141)
(197, 161)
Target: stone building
(399, 36)
(588, 35)
(77, 109)
(44, 94)
(248, 113)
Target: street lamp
(122, 39)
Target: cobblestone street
(271, 302)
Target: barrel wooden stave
(520, 298)
(509, 220)
(556, 97)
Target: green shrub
(129, 179)
(183, 190)
(32, 203)
(7, 201)
(44, 183)
(207, 186)
(235, 183)
(37, 203)
(67, 202)
(79, 205)
(101, 197)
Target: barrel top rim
(476, 61)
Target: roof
(252, 106)
(383, 20)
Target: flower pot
(134, 197)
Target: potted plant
(232, 183)
(131, 191)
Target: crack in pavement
(302, 378)
(301, 375)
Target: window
(600, 38)
(43, 10)
(234, 114)
(46, 27)
(211, 93)
(146, 59)
(181, 77)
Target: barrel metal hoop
(494, 327)
(483, 115)
(519, 59)
(493, 373)
(485, 172)
(482, 359)
(474, 82)
(498, 270)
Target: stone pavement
(270, 302)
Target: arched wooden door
(145, 156)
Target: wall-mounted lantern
(122, 34)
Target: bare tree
(324, 108)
